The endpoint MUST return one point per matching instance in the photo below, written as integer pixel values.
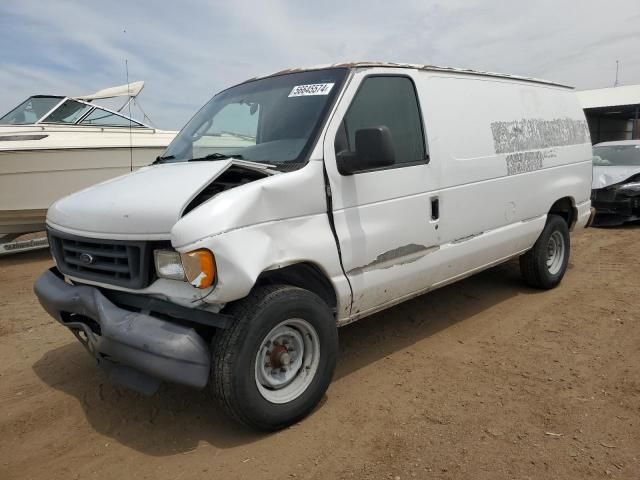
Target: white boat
(51, 146)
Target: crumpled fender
(267, 224)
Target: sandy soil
(485, 379)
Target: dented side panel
(454, 261)
(243, 254)
(278, 197)
(382, 218)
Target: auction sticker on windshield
(311, 89)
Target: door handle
(435, 208)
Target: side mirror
(374, 149)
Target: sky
(188, 50)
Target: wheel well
(303, 275)
(566, 209)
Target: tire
(546, 263)
(297, 321)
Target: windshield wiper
(216, 156)
(160, 158)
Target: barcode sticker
(311, 89)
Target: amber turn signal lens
(199, 268)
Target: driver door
(386, 227)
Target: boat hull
(22, 221)
(31, 180)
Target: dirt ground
(484, 379)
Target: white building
(612, 113)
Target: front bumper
(616, 210)
(137, 350)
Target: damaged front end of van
(148, 264)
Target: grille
(603, 195)
(121, 263)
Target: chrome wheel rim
(555, 253)
(287, 360)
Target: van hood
(145, 203)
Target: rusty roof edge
(433, 68)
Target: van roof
(414, 66)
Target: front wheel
(546, 263)
(273, 365)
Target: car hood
(603, 176)
(144, 204)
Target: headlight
(169, 265)
(197, 267)
(629, 188)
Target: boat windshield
(616, 155)
(273, 120)
(30, 111)
(69, 112)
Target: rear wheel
(274, 364)
(546, 263)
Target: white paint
(391, 247)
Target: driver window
(390, 101)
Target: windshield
(621, 155)
(69, 112)
(273, 120)
(30, 111)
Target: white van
(299, 202)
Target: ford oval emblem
(86, 258)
